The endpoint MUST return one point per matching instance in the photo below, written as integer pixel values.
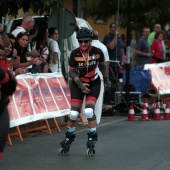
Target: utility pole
(128, 34)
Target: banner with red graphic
(160, 76)
(39, 96)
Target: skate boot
(66, 143)
(92, 138)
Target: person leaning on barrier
(40, 44)
(21, 45)
(7, 57)
(8, 85)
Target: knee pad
(89, 114)
(73, 115)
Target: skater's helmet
(84, 34)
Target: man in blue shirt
(114, 44)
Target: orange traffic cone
(153, 105)
(131, 116)
(157, 114)
(145, 102)
(164, 104)
(167, 112)
(144, 115)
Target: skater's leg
(89, 113)
(70, 133)
(92, 133)
(4, 127)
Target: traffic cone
(131, 116)
(144, 115)
(145, 102)
(164, 104)
(153, 105)
(167, 113)
(157, 114)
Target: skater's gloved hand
(107, 83)
(82, 86)
(86, 90)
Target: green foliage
(143, 12)
(100, 9)
(39, 7)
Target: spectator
(142, 51)
(21, 46)
(157, 47)
(31, 46)
(132, 46)
(114, 44)
(26, 25)
(11, 37)
(4, 63)
(40, 44)
(11, 55)
(151, 38)
(97, 43)
(124, 40)
(54, 62)
(4, 40)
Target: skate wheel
(63, 151)
(90, 152)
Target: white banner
(39, 96)
(160, 76)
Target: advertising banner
(160, 76)
(37, 97)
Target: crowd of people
(151, 47)
(29, 48)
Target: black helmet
(84, 34)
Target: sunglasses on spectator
(24, 33)
(85, 41)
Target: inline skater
(7, 87)
(84, 63)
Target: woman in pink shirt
(157, 47)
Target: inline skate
(92, 138)
(66, 143)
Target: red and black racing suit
(7, 87)
(87, 71)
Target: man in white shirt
(99, 103)
(98, 44)
(54, 51)
(26, 25)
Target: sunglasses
(24, 33)
(85, 41)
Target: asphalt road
(122, 145)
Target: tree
(143, 12)
(46, 7)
